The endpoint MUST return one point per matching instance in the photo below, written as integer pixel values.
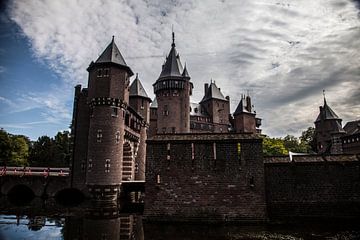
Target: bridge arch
(20, 194)
(35, 184)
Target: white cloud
(285, 52)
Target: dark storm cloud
(283, 52)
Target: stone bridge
(30, 182)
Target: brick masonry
(205, 177)
(313, 187)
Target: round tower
(173, 89)
(108, 96)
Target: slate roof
(241, 108)
(197, 110)
(111, 54)
(327, 113)
(154, 103)
(137, 89)
(172, 66)
(185, 72)
(352, 127)
(213, 92)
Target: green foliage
(293, 144)
(308, 137)
(14, 149)
(5, 147)
(18, 150)
(273, 147)
(52, 152)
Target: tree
(41, 152)
(5, 147)
(19, 150)
(308, 137)
(61, 146)
(293, 144)
(273, 147)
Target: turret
(328, 130)
(139, 99)
(108, 98)
(245, 120)
(217, 106)
(173, 89)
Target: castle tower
(173, 89)
(244, 117)
(328, 130)
(108, 96)
(140, 102)
(217, 106)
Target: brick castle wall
(313, 186)
(204, 177)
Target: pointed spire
(324, 97)
(172, 66)
(137, 89)
(185, 72)
(326, 112)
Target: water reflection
(48, 220)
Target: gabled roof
(111, 54)
(352, 127)
(242, 106)
(213, 92)
(137, 89)
(154, 103)
(326, 113)
(172, 66)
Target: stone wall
(204, 177)
(313, 187)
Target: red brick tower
(140, 102)
(173, 89)
(108, 96)
(245, 120)
(217, 106)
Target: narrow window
(83, 165)
(214, 150)
(90, 165)
(107, 165)
(239, 152)
(173, 130)
(168, 151)
(142, 104)
(99, 135)
(166, 111)
(99, 72)
(136, 167)
(158, 179)
(192, 151)
(117, 137)
(114, 111)
(106, 72)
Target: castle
(202, 163)
(113, 118)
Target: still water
(47, 220)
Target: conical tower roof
(185, 72)
(137, 89)
(112, 54)
(172, 66)
(326, 113)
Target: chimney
(248, 103)
(206, 86)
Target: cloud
(284, 52)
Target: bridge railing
(34, 171)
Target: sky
(284, 53)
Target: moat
(46, 219)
